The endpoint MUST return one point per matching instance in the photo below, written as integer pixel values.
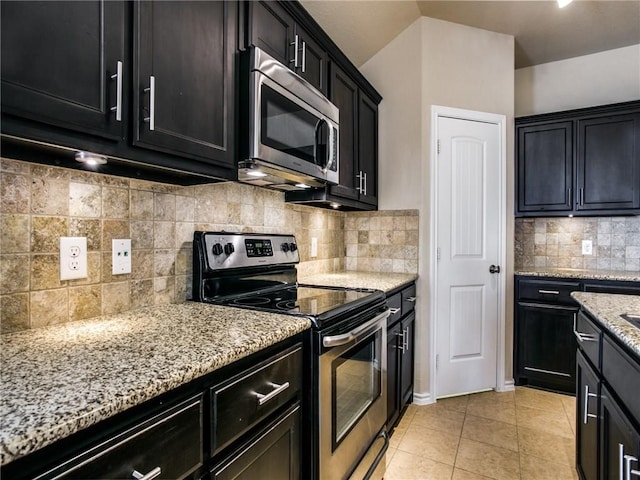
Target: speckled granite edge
(607, 308)
(61, 379)
(351, 279)
(579, 274)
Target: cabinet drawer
(589, 337)
(622, 372)
(547, 291)
(171, 442)
(630, 289)
(395, 304)
(246, 399)
(408, 299)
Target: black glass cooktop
(322, 304)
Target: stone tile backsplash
(39, 204)
(557, 242)
(382, 241)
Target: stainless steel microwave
(290, 129)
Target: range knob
(293, 247)
(285, 247)
(228, 248)
(217, 249)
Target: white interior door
(468, 245)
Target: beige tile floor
(527, 434)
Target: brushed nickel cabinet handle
(295, 52)
(586, 414)
(393, 311)
(278, 389)
(146, 476)
(151, 119)
(118, 78)
(549, 292)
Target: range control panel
(236, 250)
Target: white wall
(598, 79)
(434, 62)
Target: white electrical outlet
(73, 258)
(121, 256)
(314, 247)
(587, 247)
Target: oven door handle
(364, 329)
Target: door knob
(494, 269)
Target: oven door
(352, 386)
(290, 134)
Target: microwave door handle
(318, 132)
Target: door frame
(438, 111)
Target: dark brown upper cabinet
(184, 79)
(580, 162)
(65, 64)
(273, 29)
(165, 113)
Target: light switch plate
(587, 247)
(73, 258)
(121, 256)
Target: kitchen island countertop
(351, 279)
(60, 379)
(607, 308)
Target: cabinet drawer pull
(402, 345)
(583, 337)
(304, 56)
(587, 395)
(393, 311)
(278, 389)
(549, 292)
(118, 78)
(411, 299)
(148, 476)
(151, 119)
(405, 340)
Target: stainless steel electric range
(347, 344)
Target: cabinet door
(186, 50)
(393, 378)
(545, 167)
(368, 148)
(58, 59)
(343, 93)
(619, 440)
(587, 407)
(273, 454)
(406, 360)
(546, 346)
(608, 163)
(271, 29)
(313, 62)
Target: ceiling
(543, 32)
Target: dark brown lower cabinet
(607, 425)
(400, 353)
(274, 454)
(588, 405)
(546, 346)
(620, 441)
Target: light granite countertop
(579, 273)
(607, 308)
(379, 281)
(60, 379)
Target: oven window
(286, 126)
(357, 378)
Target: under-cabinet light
(563, 3)
(256, 173)
(91, 159)
(302, 185)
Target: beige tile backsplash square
(39, 204)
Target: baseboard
(422, 399)
(507, 386)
